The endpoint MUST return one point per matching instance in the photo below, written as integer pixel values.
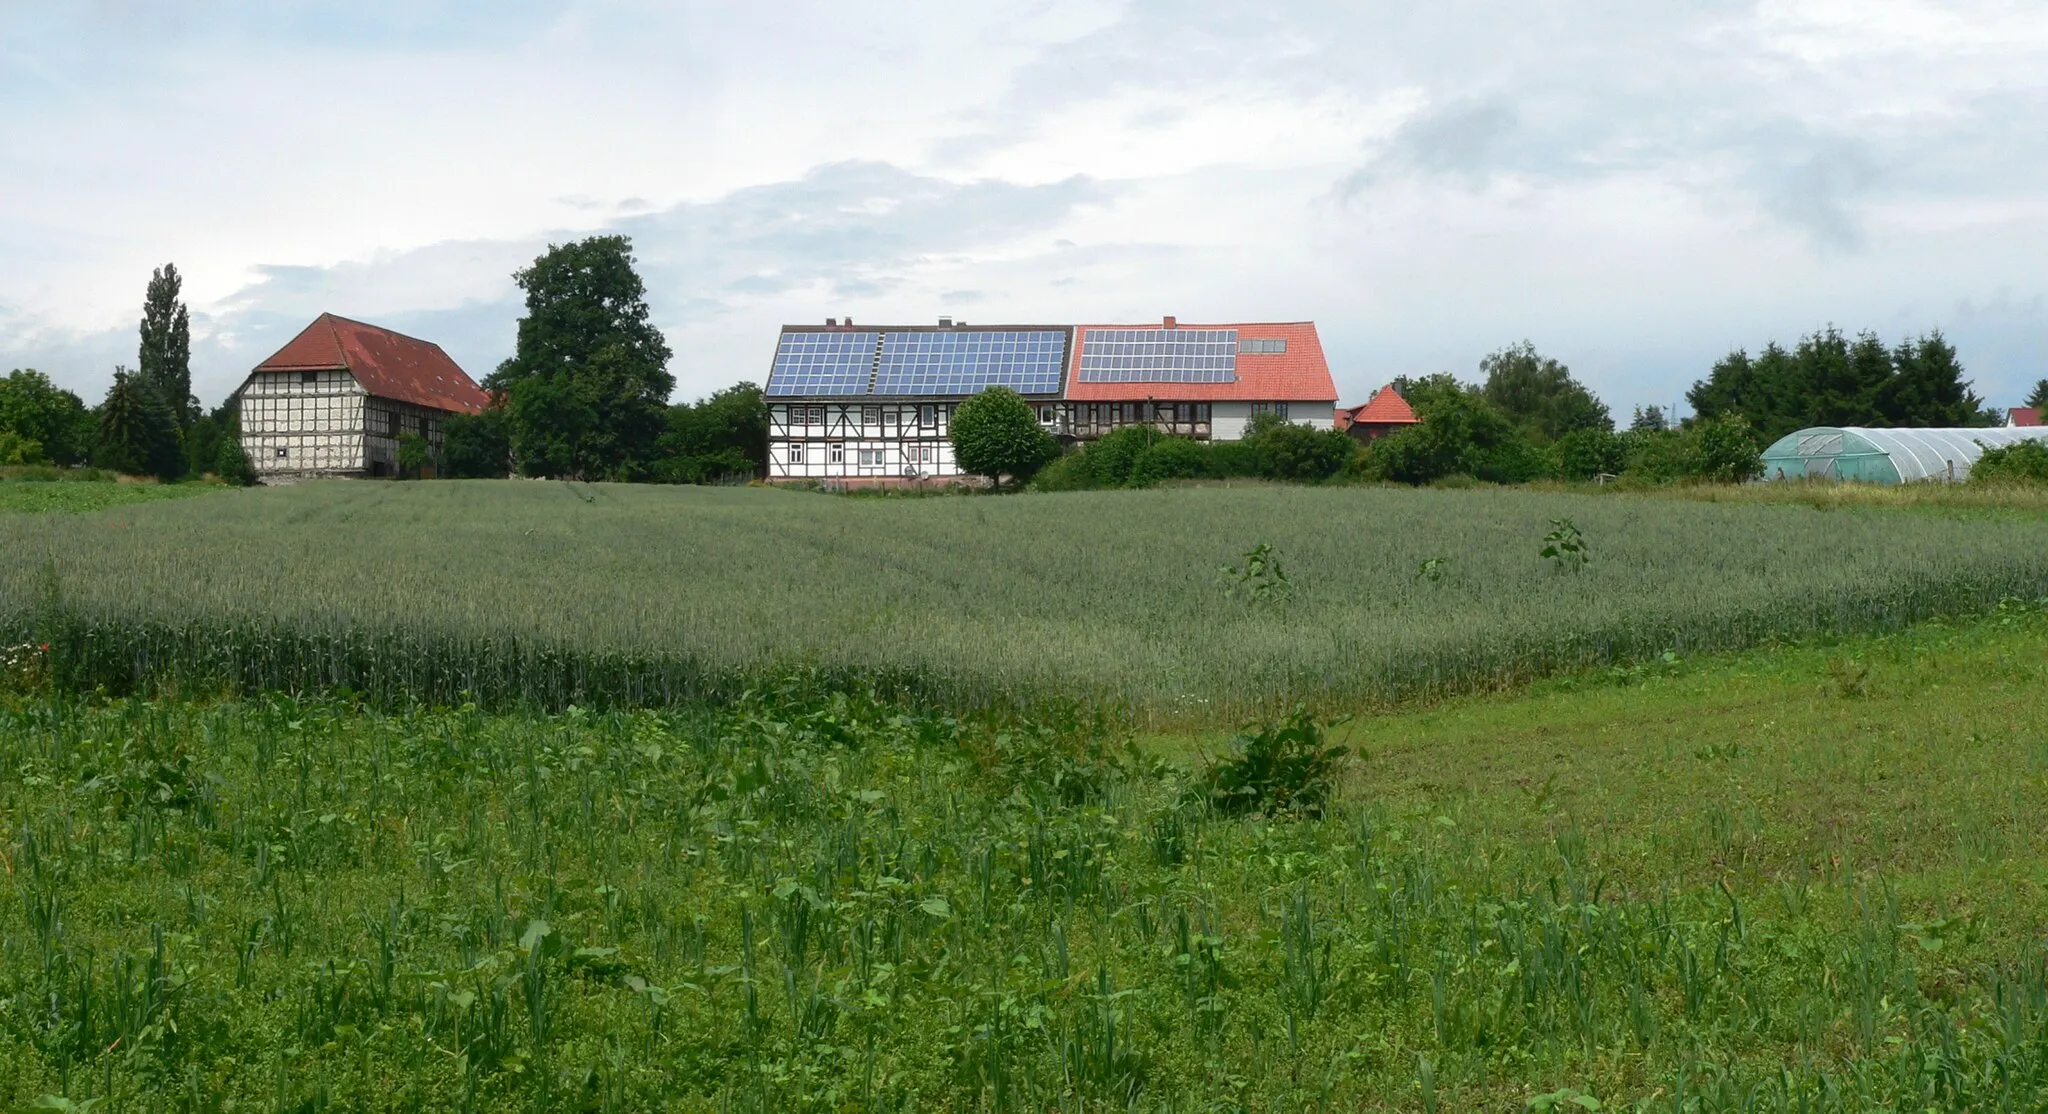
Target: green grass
(37, 494)
(1806, 879)
(518, 592)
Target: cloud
(1637, 187)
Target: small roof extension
(387, 364)
(1386, 407)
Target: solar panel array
(961, 362)
(1159, 356)
(823, 364)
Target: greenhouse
(1886, 456)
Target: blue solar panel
(960, 362)
(822, 364)
(1159, 356)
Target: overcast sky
(1635, 187)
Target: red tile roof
(1299, 374)
(1386, 407)
(2026, 415)
(387, 364)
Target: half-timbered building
(337, 399)
(875, 403)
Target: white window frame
(796, 452)
(835, 453)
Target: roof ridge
(331, 317)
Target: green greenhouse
(1886, 456)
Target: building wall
(860, 440)
(1229, 419)
(298, 424)
(388, 420)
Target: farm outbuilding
(1886, 456)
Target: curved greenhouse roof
(1886, 456)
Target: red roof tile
(1299, 374)
(387, 364)
(2026, 415)
(1386, 407)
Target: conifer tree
(165, 360)
(138, 433)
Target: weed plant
(814, 901)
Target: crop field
(545, 595)
(41, 496)
(1797, 880)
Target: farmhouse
(336, 400)
(876, 402)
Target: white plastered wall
(1227, 420)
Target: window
(1277, 409)
(871, 458)
(871, 415)
(796, 452)
(816, 416)
(927, 417)
(1045, 414)
(309, 377)
(835, 454)
(1262, 347)
(282, 453)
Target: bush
(1460, 433)
(1281, 767)
(1724, 450)
(231, 463)
(1288, 451)
(1172, 458)
(2022, 463)
(996, 434)
(1111, 459)
(477, 446)
(1070, 472)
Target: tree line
(585, 396)
(149, 424)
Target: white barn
(336, 400)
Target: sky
(1636, 188)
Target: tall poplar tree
(165, 361)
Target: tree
(1584, 454)
(2039, 398)
(477, 446)
(588, 384)
(1927, 387)
(724, 435)
(138, 433)
(1540, 393)
(35, 409)
(165, 361)
(1650, 419)
(996, 434)
(16, 449)
(1460, 434)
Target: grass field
(550, 594)
(41, 496)
(1804, 879)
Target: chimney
(831, 322)
(945, 322)
(849, 322)
(1172, 322)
